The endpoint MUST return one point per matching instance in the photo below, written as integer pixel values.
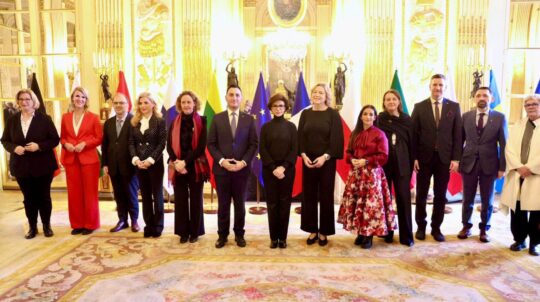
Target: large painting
(287, 13)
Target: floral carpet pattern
(127, 267)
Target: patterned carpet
(127, 267)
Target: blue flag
(494, 90)
(260, 112)
(301, 99)
(537, 91)
(170, 115)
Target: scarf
(202, 168)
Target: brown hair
(278, 97)
(193, 97)
(396, 93)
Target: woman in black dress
(398, 127)
(30, 137)
(278, 150)
(320, 143)
(188, 167)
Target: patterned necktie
(480, 126)
(437, 114)
(118, 127)
(233, 124)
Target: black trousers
(525, 223)
(402, 192)
(188, 206)
(125, 188)
(151, 184)
(231, 186)
(441, 175)
(278, 201)
(37, 198)
(318, 186)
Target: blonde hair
(138, 114)
(327, 92)
(84, 92)
(33, 96)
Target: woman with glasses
(30, 137)
(278, 150)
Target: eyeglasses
(278, 106)
(531, 105)
(119, 103)
(24, 100)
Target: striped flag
(213, 105)
(537, 90)
(123, 89)
(455, 184)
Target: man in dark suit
(116, 162)
(482, 162)
(232, 142)
(438, 145)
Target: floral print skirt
(366, 208)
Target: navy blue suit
(117, 158)
(480, 162)
(232, 184)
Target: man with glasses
(522, 185)
(116, 162)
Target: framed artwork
(287, 13)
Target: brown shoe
(464, 233)
(135, 227)
(484, 237)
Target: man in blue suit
(483, 161)
(232, 142)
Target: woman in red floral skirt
(366, 208)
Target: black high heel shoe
(368, 242)
(359, 239)
(323, 242)
(390, 237)
(311, 241)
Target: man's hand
(105, 170)
(500, 174)
(454, 166)
(524, 172)
(416, 166)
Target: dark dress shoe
(184, 239)
(87, 232)
(147, 234)
(368, 242)
(273, 244)
(409, 244)
(193, 239)
(240, 241)
(420, 234)
(156, 235)
(221, 242)
(323, 242)
(534, 250)
(32, 232)
(135, 227)
(119, 226)
(47, 231)
(464, 233)
(484, 237)
(311, 241)
(359, 239)
(438, 236)
(76, 231)
(282, 244)
(518, 246)
(389, 238)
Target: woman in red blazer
(81, 134)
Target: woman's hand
(319, 161)
(179, 165)
(80, 147)
(69, 147)
(307, 161)
(19, 150)
(359, 163)
(32, 147)
(279, 172)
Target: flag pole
(258, 210)
(211, 210)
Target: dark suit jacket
(41, 132)
(484, 147)
(221, 144)
(447, 137)
(116, 149)
(151, 143)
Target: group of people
(384, 150)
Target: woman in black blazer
(30, 137)
(398, 127)
(188, 167)
(146, 146)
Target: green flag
(213, 103)
(397, 86)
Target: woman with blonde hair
(320, 143)
(146, 145)
(30, 137)
(80, 136)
